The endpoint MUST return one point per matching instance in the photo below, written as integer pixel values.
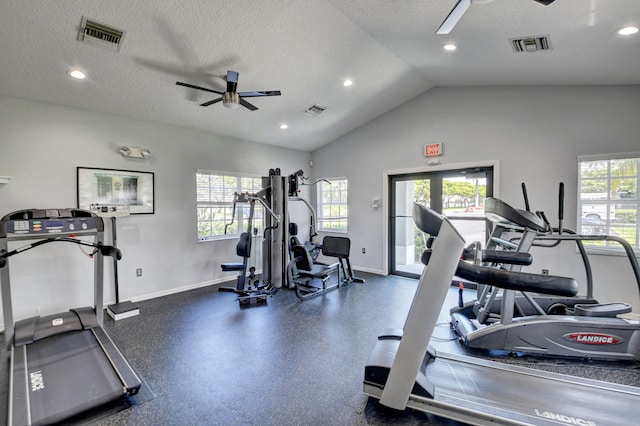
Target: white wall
(40, 147)
(535, 133)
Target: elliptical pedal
(604, 310)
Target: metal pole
(115, 261)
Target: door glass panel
(471, 230)
(459, 194)
(409, 243)
(463, 198)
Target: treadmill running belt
(535, 395)
(67, 375)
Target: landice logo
(37, 381)
(593, 338)
(570, 420)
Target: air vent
(100, 35)
(530, 44)
(315, 110)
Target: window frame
(597, 214)
(322, 219)
(244, 183)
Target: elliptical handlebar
(560, 206)
(526, 197)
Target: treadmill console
(39, 222)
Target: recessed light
(347, 83)
(449, 47)
(284, 126)
(77, 74)
(628, 30)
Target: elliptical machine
(567, 328)
(515, 231)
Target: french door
(459, 194)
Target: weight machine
(278, 267)
(251, 291)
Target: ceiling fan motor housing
(230, 100)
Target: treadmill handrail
(631, 256)
(106, 250)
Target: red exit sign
(432, 150)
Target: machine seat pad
(610, 310)
(336, 247)
(232, 266)
(318, 270)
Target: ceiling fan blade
(232, 81)
(215, 101)
(248, 105)
(179, 83)
(257, 94)
(454, 16)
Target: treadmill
(403, 371)
(62, 364)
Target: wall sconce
(134, 152)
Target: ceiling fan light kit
(231, 98)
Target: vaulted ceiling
(306, 49)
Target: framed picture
(116, 187)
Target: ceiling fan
(460, 8)
(232, 99)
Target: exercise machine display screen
(49, 226)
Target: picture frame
(115, 187)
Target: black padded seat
(307, 268)
(311, 247)
(243, 249)
(232, 266)
(336, 247)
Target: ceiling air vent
(315, 110)
(100, 35)
(530, 44)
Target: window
(332, 205)
(214, 196)
(608, 199)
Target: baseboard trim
(369, 270)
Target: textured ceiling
(305, 48)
